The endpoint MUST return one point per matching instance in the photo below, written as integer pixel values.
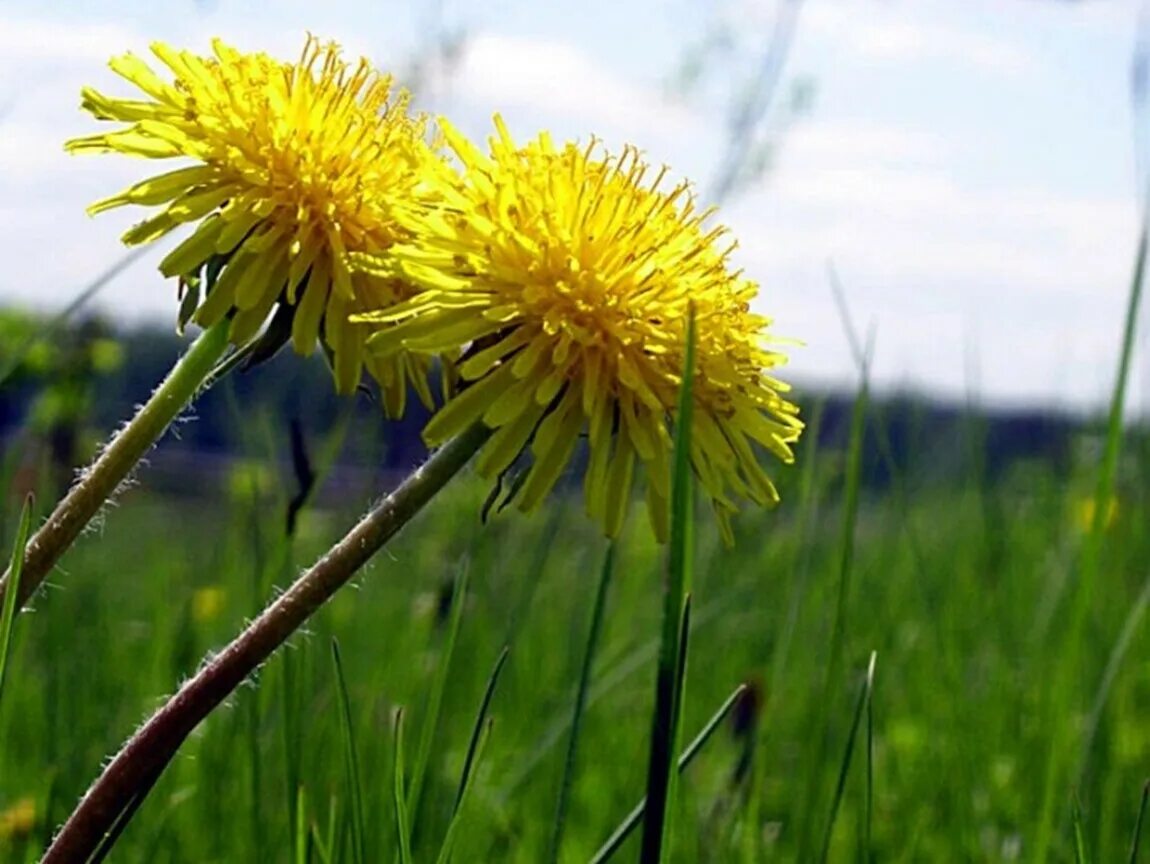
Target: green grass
(970, 691)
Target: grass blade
(402, 821)
(846, 563)
(291, 740)
(631, 822)
(477, 730)
(475, 754)
(1136, 841)
(351, 760)
(1091, 557)
(301, 837)
(1080, 856)
(580, 704)
(8, 614)
(435, 696)
(668, 679)
(479, 735)
(868, 833)
(845, 765)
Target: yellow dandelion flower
(569, 275)
(294, 165)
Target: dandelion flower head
(292, 167)
(570, 276)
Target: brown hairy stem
(151, 748)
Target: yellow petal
(305, 325)
(619, 478)
(193, 251)
(157, 190)
(508, 442)
(554, 442)
(466, 408)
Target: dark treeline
(70, 393)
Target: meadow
(1003, 719)
(932, 650)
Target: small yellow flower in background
(18, 820)
(294, 166)
(207, 603)
(1085, 508)
(570, 275)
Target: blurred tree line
(63, 391)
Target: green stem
(150, 749)
(117, 461)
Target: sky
(968, 171)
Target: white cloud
(1022, 278)
(44, 43)
(558, 80)
(876, 35)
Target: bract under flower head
(294, 165)
(570, 276)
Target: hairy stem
(150, 749)
(116, 462)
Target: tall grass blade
(323, 846)
(631, 822)
(668, 692)
(1080, 856)
(845, 765)
(300, 836)
(868, 829)
(477, 730)
(351, 761)
(475, 754)
(860, 353)
(1136, 841)
(838, 633)
(435, 696)
(290, 741)
(580, 704)
(1108, 470)
(1090, 560)
(1130, 629)
(402, 820)
(16, 563)
(479, 736)
(322, 852)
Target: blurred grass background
(961, 571)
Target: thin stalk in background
(117, 461)
(402, 822)
(862, 706)
(151, 748)
(580, 705)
